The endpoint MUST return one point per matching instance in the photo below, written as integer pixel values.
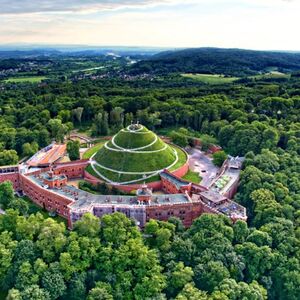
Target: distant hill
(32, 51)
(233, 62)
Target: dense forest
(233, 62)
(112, 259)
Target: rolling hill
(232, 62)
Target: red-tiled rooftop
(48, 155)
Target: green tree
(219, 157)
(208, 276)
(57, 129)
(178, 277)
(88, 225)
(260, 238)
(8, 157)
(26, 276)
(241, 231)
(77, 287)
(73, 148)
(233, 290)
(259, 260)
(34, 292)
(117, 229)
(265, 206)
(190, 292)
(77, 113)
(19, 204)
(117, 117)
(30, 149)
(64, 115)
(7, 247)
(14, 294)
(179, 139)
(100, 126)
(102, 291)
(51, 239)
(6, 194)
(53, 282)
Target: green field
(192, 177)
(271, 75)
(33, 79)
(211, 78)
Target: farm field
(210, 78)
(33, 79)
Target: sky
(249, 24)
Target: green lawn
(192, 177)
(211, 78)
(32, 79)
(87, 154)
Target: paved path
(199, 162)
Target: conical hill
(135, 152)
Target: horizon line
(58, 45)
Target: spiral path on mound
(148, 174)
(133, 149)
(118, 162)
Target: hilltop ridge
(231, 62)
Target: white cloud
(257, 24)
(48, 6)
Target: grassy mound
(128, 160)
(129, 140)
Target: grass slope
(90, 152)
(135, 162)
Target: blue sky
(252, 24)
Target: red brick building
(49, 189)
(11, 173)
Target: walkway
(203, 165)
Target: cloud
(44, 6)
(86, 6)
(258, 24)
